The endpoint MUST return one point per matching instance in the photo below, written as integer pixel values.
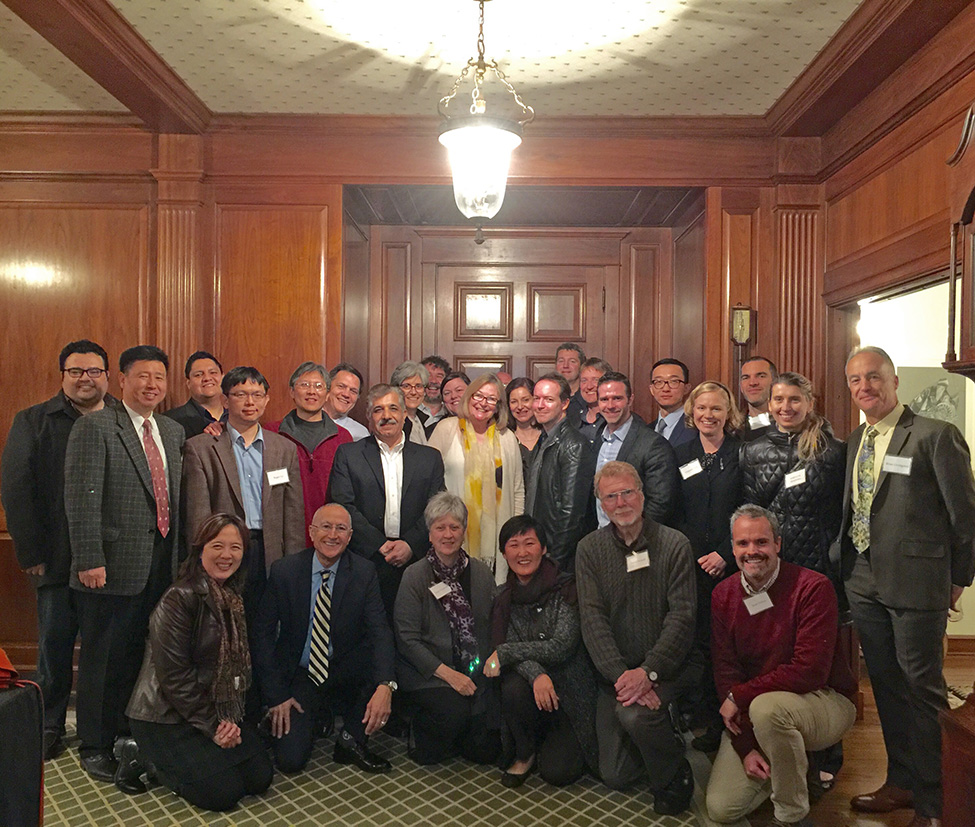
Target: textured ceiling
(379, 57)
(36, 76)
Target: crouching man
(786, 690)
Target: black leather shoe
(53, 745)
(512, 780)
(350, 751)
(128, 776)
(100, 766)
(676, 796)
(709, 740)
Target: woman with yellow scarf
(482, 466)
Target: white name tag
(760, 421)
(637, 560)
(439, 590)
(794, 478)
(278, 476)
(689, 469)
(758, 603)
(898, 465)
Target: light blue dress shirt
(317, 573)
(671, 422)
(609, 450)
(250, 472)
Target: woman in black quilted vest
(796, 471)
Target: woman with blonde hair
(711, 489)
(482, 466)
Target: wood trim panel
(75, 150)
(95, 37)
(889, 263)
(801, 307)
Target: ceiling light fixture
(479, 147)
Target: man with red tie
(121, 495)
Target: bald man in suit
(906, 554)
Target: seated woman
(482, 466)
(187, 706)
(548, 687)
(442, 623)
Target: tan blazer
(211, 484)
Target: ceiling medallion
(479, 146)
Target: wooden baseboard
(961, 645)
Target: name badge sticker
(637, 560)
(894, 464)
(690, 469)
(439, 590)
(794, 478)
(760, 421)
(758, 603)
(277, 477)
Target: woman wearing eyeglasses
(482, 466)
(412, 378)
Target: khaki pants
(786, 727)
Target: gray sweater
(639, 618)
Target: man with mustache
(385, 482)
(787, 689)
(637, 602)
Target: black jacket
(33, 486)
(653, 458)
(709, 498)
(809, 513)
(192, 416)
(559, 491)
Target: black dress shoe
(53, 745)
(128, 776)
(511, 780)
(350, 751)
(676, 796)
(709, 740)
(100, 765)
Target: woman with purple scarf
(443, 636)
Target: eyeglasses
(241, 395)
(304, 386)
(673, 382)
(415, 388)
(77, 373)
(327, 528)
(616, 496)
(490, 401)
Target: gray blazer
(109, 501)
(422, 630)
(922, 526)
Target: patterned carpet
(328, 794)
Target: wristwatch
(652, 675)
(393, 686)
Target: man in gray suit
(906, 552)
(121, 494)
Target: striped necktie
(860, 527)
(318, 653)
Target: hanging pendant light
(478, 146)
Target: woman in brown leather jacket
(187, 707)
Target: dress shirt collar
(238, 439)
(317, 569)
(396, 449)
(887, 424)
(138, 419)
(620, 433)
(673, 418)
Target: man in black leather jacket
(559, 492)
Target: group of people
(522, 572)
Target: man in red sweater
(785, 690)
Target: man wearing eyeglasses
(669, 386)
(323, 647)
(33, 497)
(315, 436)
(637, 602)
(433, 410)
(251, 472)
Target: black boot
(128, 776)
(676, 796)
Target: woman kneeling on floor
(548, 686)
(187, 707)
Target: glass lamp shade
(479, 150)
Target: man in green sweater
(637, 604)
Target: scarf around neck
(458, 610)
